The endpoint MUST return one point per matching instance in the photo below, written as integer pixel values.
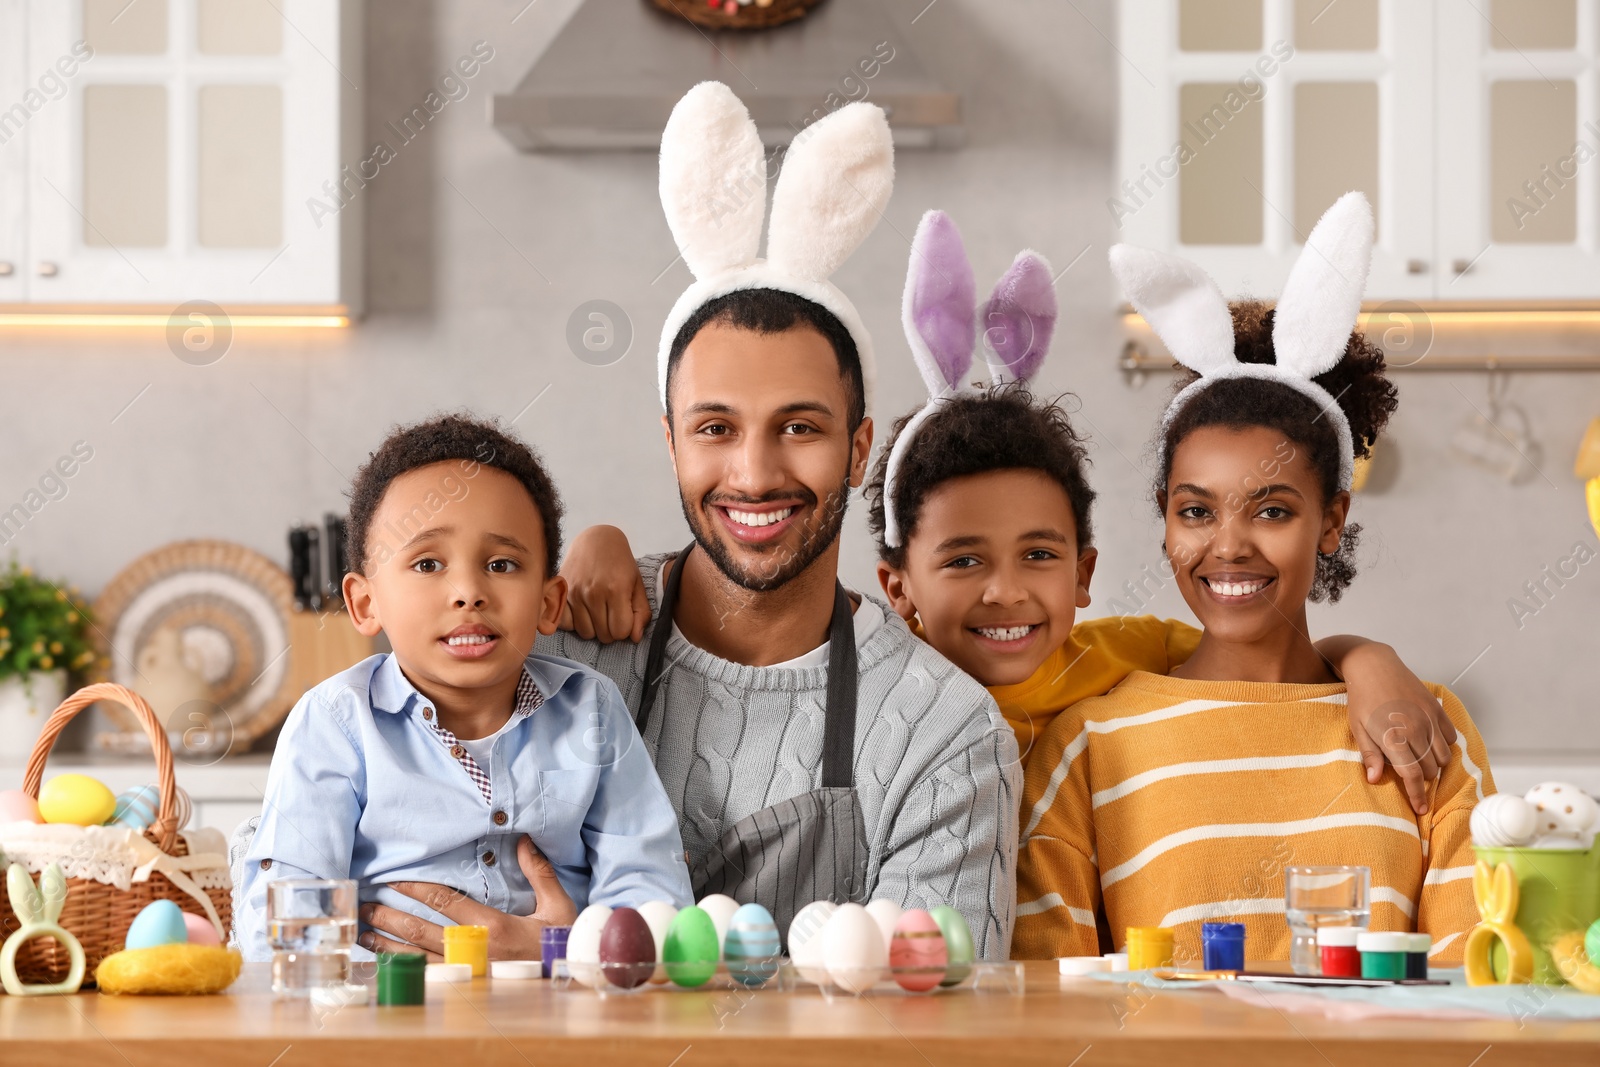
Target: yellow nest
(169, 969)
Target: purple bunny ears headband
(942, 320)
(1320, 306)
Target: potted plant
(43, 635)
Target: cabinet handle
(6, 270)
(48, 269)
(1416, 266)
(1461, 266)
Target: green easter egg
(957, 943)
(691, 951)
(1591, 943)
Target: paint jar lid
(1079, 965)
(1383, 942)
(1222, 932)
(1338, 936)
(466, 935)
(1419, 943)
(1149, 935)
(449, 972)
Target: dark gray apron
(809, 847)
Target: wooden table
(1056, 1021)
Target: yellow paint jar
(1149, 946)
(468, 944)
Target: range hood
(611, 76)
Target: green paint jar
(1383, 955)
(402, 978)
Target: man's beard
(782, 564)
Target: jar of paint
(1417, 948)
(1383, 955)
(470, 945)
(552, 947)
(1222, 946)
(402, 978)
(1337, 947)
(1149, 946)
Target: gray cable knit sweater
(936, 767)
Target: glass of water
(1323, 896)
(311, 926)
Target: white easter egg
(583, 944)
(658, 916)
(886, 913)
(721, 909)
(1503, 820)
(1562, 809)
(805, 940)
(854, 949)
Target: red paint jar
(1337, 946)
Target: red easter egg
(917, 954)
(627, 949)
(201, 932)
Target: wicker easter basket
(113, 872)
(754, 16)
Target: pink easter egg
(917, 954)
(17, 806)
(200, 930)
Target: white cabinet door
(15, 118)
(179, 164)
(1519, 150)
(1243, 120)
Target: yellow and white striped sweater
(1178, 802)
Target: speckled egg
(886, 913)
(721, 908)
(77, 799)
(959, 953)
(917, 954)
(853, 949)
(805, 940)
(583, 944)
(17, 806)
(751, 947)
(160, 923)
(627, 949)
(691, 951)
(658, 915)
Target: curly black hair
(775, 311)
(1003, 427)
(440, 440)
(1358, 385)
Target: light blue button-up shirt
(364, 786)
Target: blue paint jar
(1222, 946)
(552, 947)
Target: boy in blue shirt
(461, 749)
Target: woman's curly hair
(1003, 427)
(1358, 385)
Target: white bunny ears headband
(836, 179)
(941, 317)
(1320, 306)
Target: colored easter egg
(886, 913)
(805, 939)
(627, 949)
(200, 930)
(959, 953)
(77, 799)
(136, 807)
(721, 909)
(583, 944)
(751, 947)
(853, 949)
(691, 951)
(160, 923)
(17, 806)
(658, 915)
(917, 953)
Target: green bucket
(1558, 891)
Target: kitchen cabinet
(1242, 120)
(167, 151)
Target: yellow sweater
(1180, 802)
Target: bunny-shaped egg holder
(1313, 318)
(942, 320)
(836, 179)
(39, 910)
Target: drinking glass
(311, 926)
(1323, 896)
